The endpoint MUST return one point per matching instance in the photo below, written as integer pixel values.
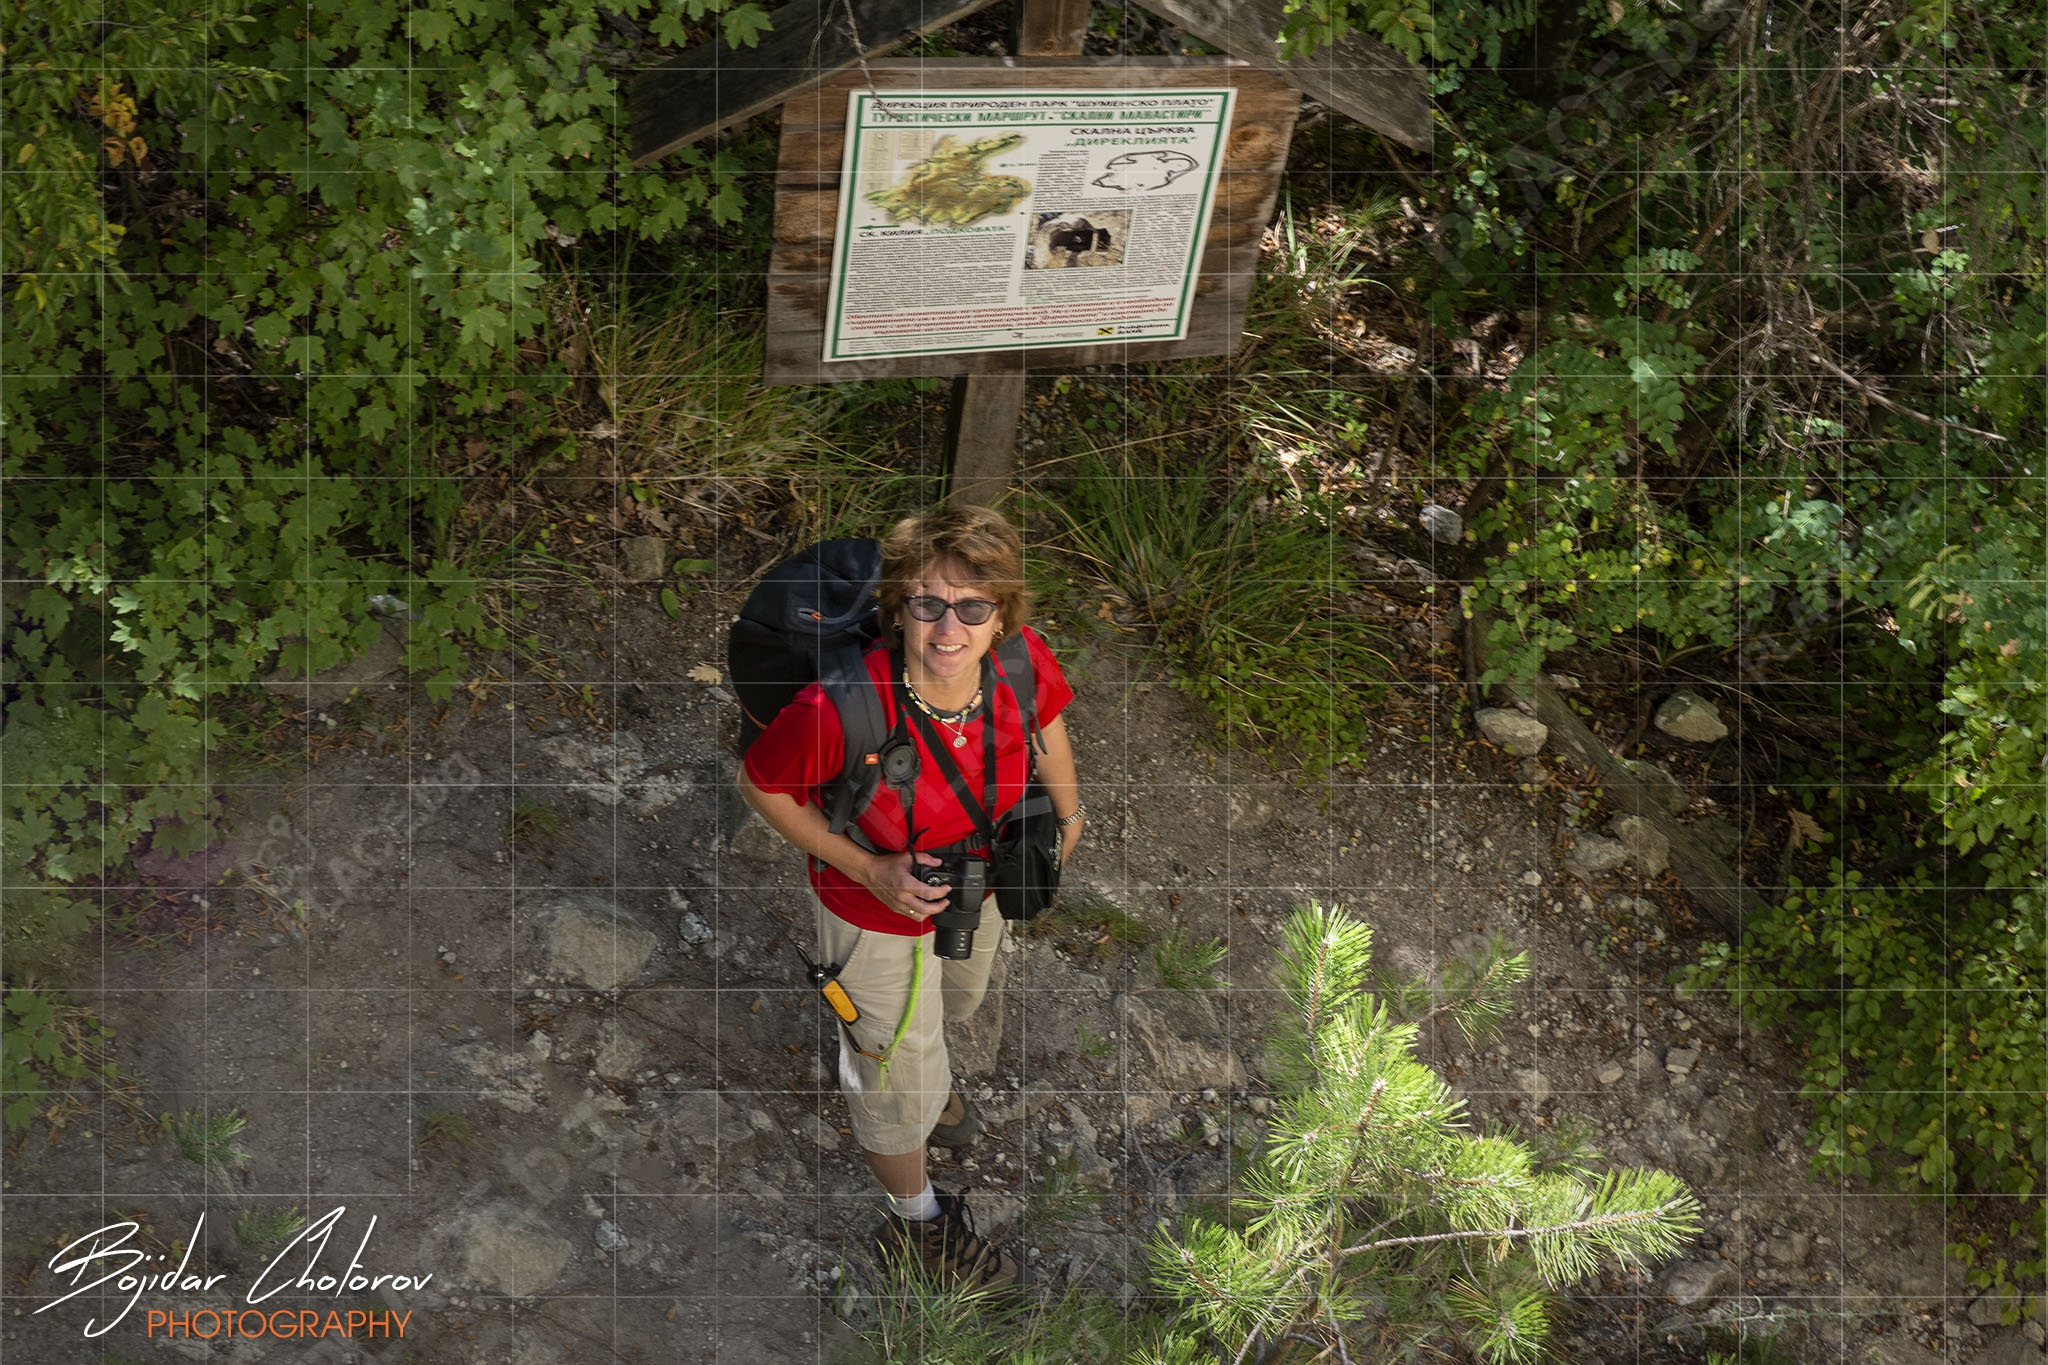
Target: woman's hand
(1070, 836)
(889, 878)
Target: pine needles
(1375, 1218)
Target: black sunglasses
(972, 611)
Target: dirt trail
(494, 975)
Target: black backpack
(813, 618)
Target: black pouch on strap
(1025, 868)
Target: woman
(952, 588)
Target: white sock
(921, 1207)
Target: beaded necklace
(956, 721)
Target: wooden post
(981, 436)
(1051, 28)
(981, 430)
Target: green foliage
(1923, 1012)
(446, 1127)
(266, 272)
(1782, 417)
(257, 1227)
(1249, 606)
(1467, 35)
(1474, 988)
(906, 1321)
(1372, 1221)
(207, 1138)
(1058, 1195)
(1587, 554)
(1187, 963)
(533, 823)
(44, 1040)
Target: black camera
(953, 928)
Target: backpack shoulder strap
(1022, 680)
(843, 673)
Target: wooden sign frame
(807, 211)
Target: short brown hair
(981, 538)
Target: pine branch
(1675, 1208)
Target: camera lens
(953, 928)
(954, 945)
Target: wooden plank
(814, 135)
(824, 107)
(1051, 28)
(981, 433)
(708, 88)
(1357, 75)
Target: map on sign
(973, 220)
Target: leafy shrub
(265, 271)
(1923, 1014)
(44, 1039)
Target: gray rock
(1531, 772)
(819, 1132)
(2010, 1348)
(1611, 1073)
(754, 840)
(706, 1128)
(510, 1250)
(1692, 1282)
(1593, 853)
(608, 1236)
(1534, 1084)
(1789, 1251)
(1646, 843)
(1922, 1290)
(1250, 810)
(590, 944)
(1691, 718)
(1679, 1061)
(620, 1051)
(1520, 735)
(1178, 1063)
(644, 558)
(1444, 525)
(1989, 1311)
(1079, 1145)
(692, 929)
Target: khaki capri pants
(893, 1113)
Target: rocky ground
(511, 975)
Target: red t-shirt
(803, 748)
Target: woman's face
(945, 652)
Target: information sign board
(841, 300)
(972, 219)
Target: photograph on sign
(974, 220)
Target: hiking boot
(947, 1248)
(958, 1124)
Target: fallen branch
(1874, 396)
(1710, 881)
